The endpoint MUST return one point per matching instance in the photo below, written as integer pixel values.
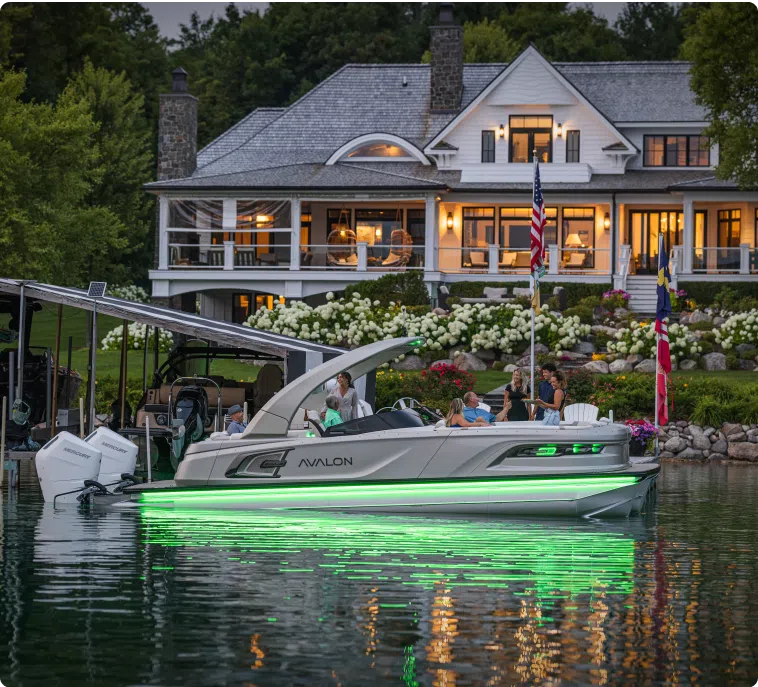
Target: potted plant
(642, 434)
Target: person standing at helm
(347, 396)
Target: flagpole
(531, 291)
(657, 353)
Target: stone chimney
(446, 79)
(177, 130)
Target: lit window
(677, 151)
(528, 134)
(379, 150)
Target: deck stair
(642, 293)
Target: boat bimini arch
(274, 419)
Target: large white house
(387, 168)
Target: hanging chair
(401, 248)
(342, 250)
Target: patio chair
(580, 412)
(478, 260)
(507, 258)
(244, 257)
(523, 259)
(575, 261)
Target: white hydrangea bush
(640, 338)
(136, 338)
(130, 293)
(356, 322)
(739, 328)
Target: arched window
(380, 149)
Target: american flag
(663, 310)
(538, 224)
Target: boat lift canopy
(298, 355)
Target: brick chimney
(446, 80)
(177, 130)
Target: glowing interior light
(388, 493)
(547, 451)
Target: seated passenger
(473, 413)
(332, 416)
(238, 424)
(456, 416)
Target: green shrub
(583, 312)
(581, 385)
(704, 295)
(709, 336)
(732, 361)
(575, 291)
(708, 412)
(700, 326)
(107, 391)
(749, 354)
(498, 366)
(601, 340)
(706, 345)
(407, 288)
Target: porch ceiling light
(607, 222)
(449, 221)
(559, 130)
(501, 131)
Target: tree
(125, 161)
(724, 53)
(48, 165)
(655, 30)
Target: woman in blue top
(554, 410)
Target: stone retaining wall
(685, 441)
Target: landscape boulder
(510, 368)
(603, 329)
(488, 355)
(719, 446)
(620, 313)
(675, 445)
(718, 321)
(743, 451)
(469, 362)
(699, 316)
(410, 362)
(441, 312)
(541, 349)
(645, 366)
(744, 348)
(730, 429)
(688, 365)
(634, 358)
(747, 365)
(598, 366)
(701, 443)
(585, 348)
(714, 361)
(620, 367)
(690, 454)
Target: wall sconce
(437, 198)
(559, 130)
(378, 233)
(501, 131)
(449, 221)
(607, 222)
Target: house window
(578, 235)
(572, 145)
(338, 219)
(375, 227)
(478, 234)
(416, 224)
(677, 151)
(729, 228)
(306, 222)
(516, 227)
(488, 146)
(528, 134)
(379, 150)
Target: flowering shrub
(640, 338)
(136, 338)
(358, 321)
(642, 430)
(679, 300)
(434, 387)
(130, 293)
(616, 298)
(443, 380)
(739, 328)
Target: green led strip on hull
(423, 492)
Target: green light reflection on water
(548, 560)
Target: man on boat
(545, 390)
(238, 423)
(472, 411)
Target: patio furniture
(268, 260)
(244, 257)
(508, 258)
(575, 261)
(478, 260)
(401, 243)
(580, 412)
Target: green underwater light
(427, 491)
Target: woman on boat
(332, 416)
(347, 396)
(515, 392)
(455, 417)
(554, 410)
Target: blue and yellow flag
(663, 308)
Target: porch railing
(206, 256)
(719, 259)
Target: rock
(410, 362)
(509, 359)
(441, 312)
(682, 424)
(620, 313)
(690, 454)
(585, 348)
(469, 362)
(717, 456)
(603, 329)
(743, 451)
(663, 437)
(540, 349)
(634, 358)
(753, 431)
(688, 365)
(696, 430)
(718, 321)
(572, 355)
(525, 361)
(701, 443)
(744, 348)
(699, 316)
(645, 366)
(729, 429)
(684, 318)
(708, 431)
(675, 445)
(665, 454)
(714, 361)
(747, 365)
(510, 368)
(737, 438)
(599, 313)
(620, 366)
(674, 365)
(599, 366)
(488, 355)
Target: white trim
(531, 50)
(413, 152)
(662, 125)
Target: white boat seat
(439, 424)
(580, 412)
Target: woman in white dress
(347, 396)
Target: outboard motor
(189, 416)
(63, 465)
(119, 455)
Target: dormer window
(677, 151)
(531, 133)
(373, 150)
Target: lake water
(154, 597)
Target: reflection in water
(155, 596)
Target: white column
(295, 236)
(493, 258)
(688, 235)
(554, 258)
(362, 256)
(228, 255)
(163, 233)
(430, 235)
(744, 258)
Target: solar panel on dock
(96, 289)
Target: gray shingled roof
(707, 183)
(368, 99)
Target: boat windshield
(397, 419)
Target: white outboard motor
(119, 455)
(63, 464)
